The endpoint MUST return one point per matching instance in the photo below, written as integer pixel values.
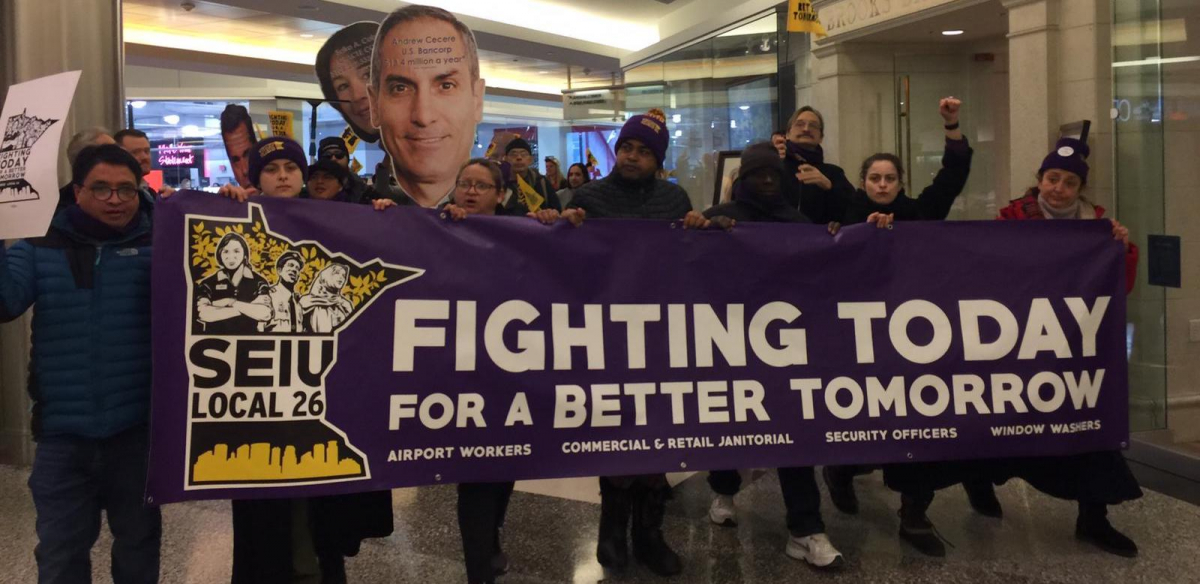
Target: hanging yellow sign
(802, 17)
(355, 166)
(350, 138)
(281, 123)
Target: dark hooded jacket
(749, 206)
(934, 202)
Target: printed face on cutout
(350, 78)
(635, 161)
(113, 212)
(237, 146)
(281, 178)
(480, 195)
(1060, 188)
(426, 112)
(882, 183)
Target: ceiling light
(139, 104)
(171, 119)
(306, 36)
(678, 133)
(190, 130)
(743, 107)
(951, 32)
(543, 72)
(675, 119)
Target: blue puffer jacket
(89, 373)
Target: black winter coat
(815, 203)
(934, 202)
(615, 198)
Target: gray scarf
(1075, 211)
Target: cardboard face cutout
(344, 71)
(426, 100)
(237, 131)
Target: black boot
(649, 547)
(1093, 527)
(612, 547)
(917, 529)
(982, 495)
(840, 482)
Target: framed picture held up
(728, 163)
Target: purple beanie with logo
(1069, 154)
(651, 129)
(275, 148)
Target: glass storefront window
(185, 140)
(719, 94)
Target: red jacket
(1027, 208)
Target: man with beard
(818, 189)
(286, 318)
(426, 109)
(238, 133)
(137, 143)
(632, 191)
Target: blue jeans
(73, 480)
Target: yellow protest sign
(529, 196)
(355, 166)
(281, 123)
(350, 138)
(802, 17)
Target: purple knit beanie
(651, 129)
(1069, 154)
(275, 148)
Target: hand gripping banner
(308, 347)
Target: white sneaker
(816, 550)
(723, 512)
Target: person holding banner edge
(632, 190)
(757, 196)
(880, 200)
(280, 541)
(482, 506)
(1094, 480)
(817, 188)
(90, 376)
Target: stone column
(39, 38)
(1033, 76)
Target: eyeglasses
(103, 192)
(803, 125)
(465, 186)
(333, 155)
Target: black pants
(481, 510)
(801, 496)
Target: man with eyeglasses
(334, 148)
(817, 188)
(89, 278)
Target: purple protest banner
(307, 347)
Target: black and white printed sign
(32, 116)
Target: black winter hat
(758, 156)
(518, 143)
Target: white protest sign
(32, 116)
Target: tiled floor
(550, 537)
